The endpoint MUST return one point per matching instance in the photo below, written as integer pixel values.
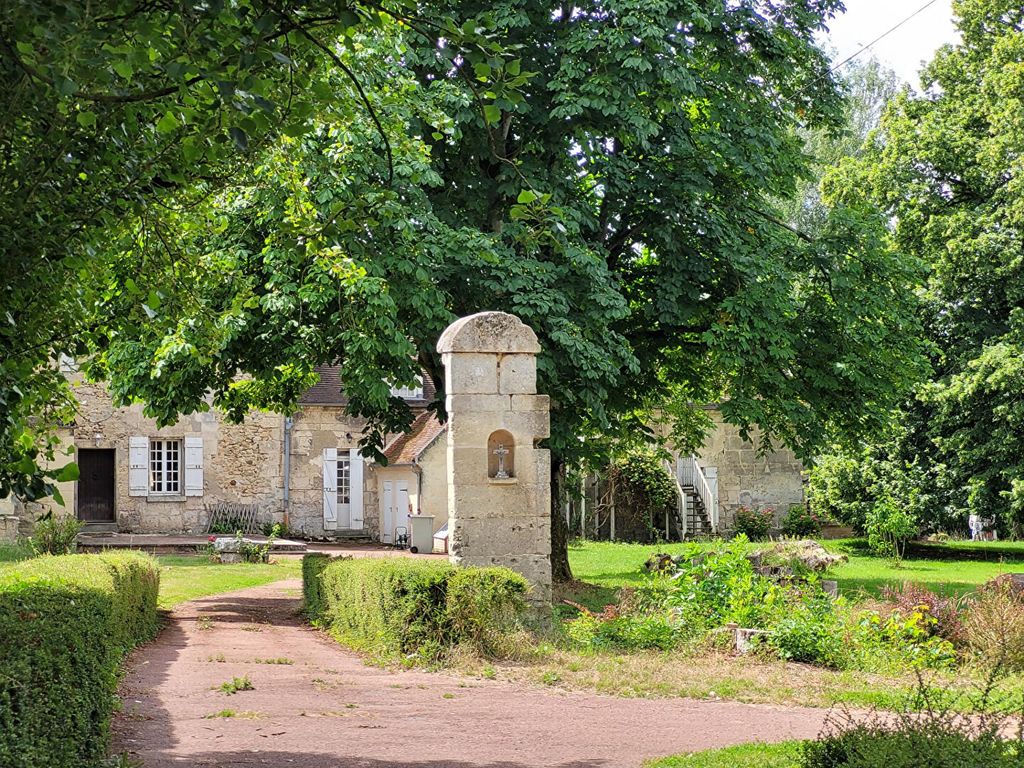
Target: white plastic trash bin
(422, 530)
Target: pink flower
(212, 538)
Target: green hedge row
(402, 606)
(66, 624)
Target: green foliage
(111, 107)
(644, 491)
(994, 624)
(754, 523)
(721, 587)
(780, 755)
(800, 521)
(812, 633)
(434, 188)
(236, 684)
(928, 733)
(66, 623)
(313, 602)
(889, 527)
(944, 168)
(53, 535)
(420, 607)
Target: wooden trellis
(247, 518)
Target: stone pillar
(499, 483)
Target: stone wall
(747, 479)
(242, 463)
(316, 427)
(433, 496)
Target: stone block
(530, 403)
(527, 426)
(517, 374)
(495, 332)
(8, 528)
(464, 404)
(471, 373)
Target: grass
(187, 577)
(236, 684)
(12, 553)
(608, 566)
(783, 755)
(603, 568)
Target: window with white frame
(344, 480)
(409, 393)
(165, 466)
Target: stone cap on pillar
(494, 332)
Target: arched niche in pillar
(501, 455)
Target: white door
(396, 509)
(330, 480)
(711, 473)
(344, 492)
(387, 527)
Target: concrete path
(327, 709)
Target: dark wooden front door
(96, 485)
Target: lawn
(186, 577)
(951, 568)
(783, 755)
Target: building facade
(303, 471)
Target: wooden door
(96, 485)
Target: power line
(882, 36)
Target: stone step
(99, 528)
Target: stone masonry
(491, 384)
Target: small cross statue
(501, 452)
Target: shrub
(644, 492)
(812, 633)
(928, 734)
(910, 597)
(402, 606)
(994, 624)
(800, 521)
(54, 535)
(889, 527)
(66, 623)
(313, 566)
(755, 524)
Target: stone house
(303, 471)
(727, 472)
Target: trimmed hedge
(405, 606)
(66, 623)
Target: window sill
(503, 480)
(155, 498)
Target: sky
(903, 50)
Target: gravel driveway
(327, 709)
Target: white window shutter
(194, 465)
(356, 495)
(138, 465)
(330, 488)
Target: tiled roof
(411, 444)
(328, 390)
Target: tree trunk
(560, 570)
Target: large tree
(613, 181)
(110, 108)
(946, 167)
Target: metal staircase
(697, 511)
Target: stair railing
(680, 503)
(691, 475)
